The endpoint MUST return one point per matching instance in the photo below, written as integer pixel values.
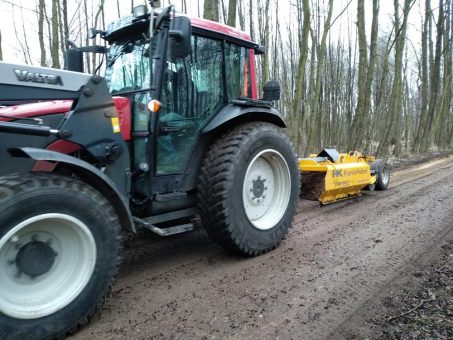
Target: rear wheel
(249, 189)
(382, 174)
(58, 254)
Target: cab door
(193, 92)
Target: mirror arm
(163, 15)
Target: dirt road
(333, 264)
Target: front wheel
(249, 189)
(58, 254)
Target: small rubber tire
(224, 184)
(69, 211)
(382, 171)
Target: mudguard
(89, 174)
(246, 111)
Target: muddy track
(335, 261)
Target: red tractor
(175, 129)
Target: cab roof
(117, 27)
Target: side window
(238, 71)
(207, 58)
(193, 91)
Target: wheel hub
(35, 258)
(258, 187)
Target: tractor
(174, 129)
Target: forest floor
(378, 266)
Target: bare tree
(55, 41)
(211, 10)
(392, 133)
(297, 107)
(424, 79)
(65, 36)
(41, 5)
(314, 137)
(366, 73)
(232, 10)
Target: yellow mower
(330, 176)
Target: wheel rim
(46, 262)
(266, 189)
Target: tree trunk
(241, 15)
(424, 80)
(435, 83)
(95, 24)
(86, 40)
(65, 24)
(366, 73)
(266, 41)
(42, 46)
(211, 10)
(54, 48)
(297, 108)
(314, 140)
(232, 8)
(358, 123)
(441, 129)
(392, 133)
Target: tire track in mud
(335, 259)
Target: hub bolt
(11, 262)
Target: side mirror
(74, 60)
(180, 34)
(260, 50)
(271, 91)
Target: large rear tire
(382, 174)
(59, 246)
(249, 189)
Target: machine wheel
(59, 246)
(249, 189)
(382, 174)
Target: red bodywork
(63, 106)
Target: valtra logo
(36, 77)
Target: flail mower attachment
(330, 176)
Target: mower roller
(330, 176)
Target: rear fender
(87, 173)
(233, 115)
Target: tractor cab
(177, 79)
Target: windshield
(128, 67)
